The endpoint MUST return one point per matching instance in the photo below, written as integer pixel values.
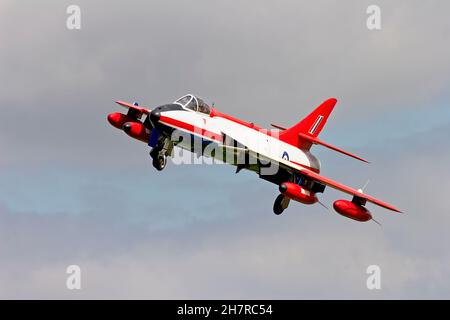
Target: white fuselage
(215, 128)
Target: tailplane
(304, 134)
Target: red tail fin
(310, 126)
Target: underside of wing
(338, 186)
(294, 168)
(335, 185)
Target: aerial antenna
(376, 222)
(320, 202)
(361, 190)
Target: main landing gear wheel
(281, 203)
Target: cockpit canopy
(194, 103)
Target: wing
(292, 167)
(137, 109)
(341, 187)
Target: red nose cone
(113, 117)
(118, 119)
(295, 192)
(352, 210)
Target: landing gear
(159, 162)
(281, 203)
(159, 154)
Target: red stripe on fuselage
(191, 128)
(209, 134)
(271, 133)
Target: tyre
(159, 162)
(278, 206)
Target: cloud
(307, 252)
(74, 190)
(263, 62)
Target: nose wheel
(159, 155)
(281, 203)
(159, 158)
(160, 162)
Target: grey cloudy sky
(73, 190)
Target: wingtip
(397, 210)
(357, 157)
(364, 160)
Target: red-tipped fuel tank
(136, 130)
(118, 119)
(352, 210)
(297, 193)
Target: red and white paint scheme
(281, 156)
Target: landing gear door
(154, 137)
